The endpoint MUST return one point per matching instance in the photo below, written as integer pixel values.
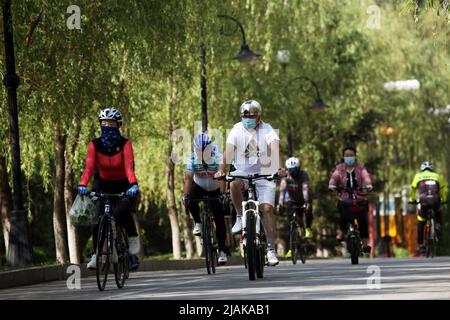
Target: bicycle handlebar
(418, 202)
(106, 195)
(253, 177)
(205, 198)
(358, 191)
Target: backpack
(429, 194)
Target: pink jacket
(339, 178)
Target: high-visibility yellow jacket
(428, 175)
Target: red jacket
(339, 178)
(115, 163)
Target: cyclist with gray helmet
(253, 148)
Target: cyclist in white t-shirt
(253, 148)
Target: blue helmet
(201, 141)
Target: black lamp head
(246, 55)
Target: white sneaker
(222, 258)
(197, 229)
(272, 259)
(92, 265)
(134, 246)
(237, 228)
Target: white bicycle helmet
(110, 113)
(426, 165)
(292, 163)
(250, 107)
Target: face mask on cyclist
(293, 172)
(110, 135)
(249, 123)
(349, 160)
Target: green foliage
(143, 58)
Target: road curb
(35, 275)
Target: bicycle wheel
(103, 253)
(260, 256)
(250, 248)
(122, 266)
(207, 246)
(212, 244)
(293, 241)
(430, 248)
(431, 245)
(353, 249)
(302, 251)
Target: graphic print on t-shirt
(252, 150)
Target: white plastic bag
(82, 212)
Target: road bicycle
(297, 240)
(112, 244)
(431, 234)
(209, 240)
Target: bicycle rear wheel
(122, 266)
(250, 247)
(293, 241)
(103, 253)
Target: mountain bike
(112, 244)
(254, 238)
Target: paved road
(414, 278)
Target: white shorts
(265, 191)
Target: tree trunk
(172, 210)
(170, 167)
(198, 247)
(5, 202)
(69, 194)
(188, 243)
(58, 197)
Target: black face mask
(294, 172)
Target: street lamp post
(19, 253)
(203, 88)
(284, 57)
(245, 55)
